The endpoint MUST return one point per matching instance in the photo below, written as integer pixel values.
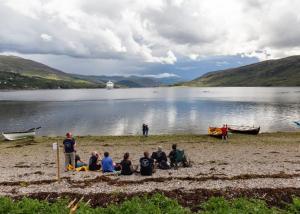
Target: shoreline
(176, 86)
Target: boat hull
(215, 132)
(251, 131)
(18, 135)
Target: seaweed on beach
(118, 182)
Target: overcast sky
(149, 37)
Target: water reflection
(166, 111)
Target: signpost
(55, 146)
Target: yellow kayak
(215, 131)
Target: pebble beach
(246, 165)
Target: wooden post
(58, 164)
(55, 146)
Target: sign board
(54, 146)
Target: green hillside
(19, 73)
(125, 81)
(281, 72)
(10, 80)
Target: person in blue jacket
(107, 163)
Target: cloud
(221, 63)
(161, 75)
(169, 59)
(151, 31)
(46, 37)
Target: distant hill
(280, 72)
(20, 73)
(132, 81)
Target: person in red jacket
(224, 130)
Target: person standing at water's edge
(69, 150)
(145, 129)
(224, 130)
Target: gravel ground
(246, 162)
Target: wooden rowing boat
(244, 129)
(20, 135)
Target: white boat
(109, 85)
(20, 135)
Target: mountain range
(20, 73)
(280, 72)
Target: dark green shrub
(157, 204)
(237, 206)
(6, 205)
(294, 207)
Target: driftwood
(73, 207)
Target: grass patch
(157, 204)
(278, 137)
(238, 206)
(264, 138)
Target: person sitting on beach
(107, 163)
(146, 165)
(69, 150)
(177, 157)
(160, 158)
(93, 162)
(79, 162)
(126, 165)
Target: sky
(158, 38)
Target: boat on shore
(243, 129)
(215, 132)
(20, 135)
(109, 85)
(297, 123)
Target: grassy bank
(276, 137)
(142, 205)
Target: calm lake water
(165, 110)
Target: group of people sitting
(147, 164)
